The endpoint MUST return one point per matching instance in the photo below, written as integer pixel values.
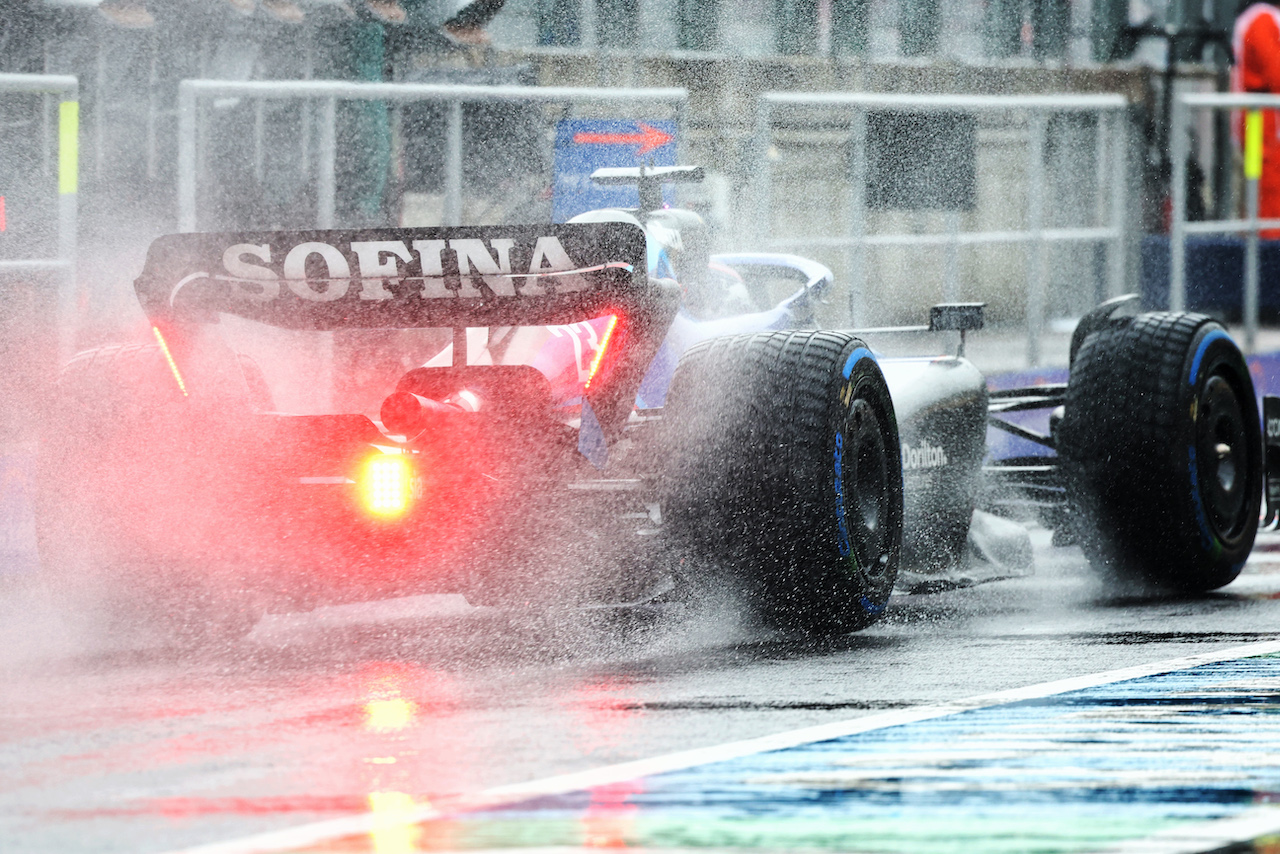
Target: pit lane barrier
(1110, 161)
(329, 92)
(1251, 226)
(61, 135)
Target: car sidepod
(941, 404)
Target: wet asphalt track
(401, 708)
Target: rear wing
(400, 277)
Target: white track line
(324, 831)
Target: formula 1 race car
(542, 416)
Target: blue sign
(585, 145)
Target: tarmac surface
(424, 724)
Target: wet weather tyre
(1161, 450)
(784, 471)
(114, 414)
(102, 398)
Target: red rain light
(386, 485)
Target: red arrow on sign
(648, 138)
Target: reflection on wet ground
(1079, 771)
(400, 709)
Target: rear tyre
(1161, 449)
(117, 420)
(784, 472)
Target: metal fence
(1250, 225)
(1111, 178)
(329, 93)
(60, 133)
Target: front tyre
(1161, 449)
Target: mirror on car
(956, 316)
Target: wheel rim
(1222, 458)
(866, 491)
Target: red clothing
(1256, 44)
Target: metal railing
(328, 93)
(1180, 228)
(63, 136)
(1111, 172)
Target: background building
(129, 56)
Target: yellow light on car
(386, 485)
(168, 357)
(604, 344)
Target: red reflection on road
(604, 711)
(408, 711)
(610, 817)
